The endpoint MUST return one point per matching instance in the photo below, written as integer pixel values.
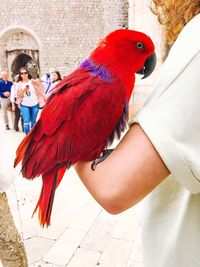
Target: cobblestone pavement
(81, 234)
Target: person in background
(5, 89)
(159, 156)
(55, 78)
(49, 80)
(46, 81)
(28, 96)
(13, 99)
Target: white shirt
(171, 120)
(29, 99)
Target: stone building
(61, 33)
(56, 33)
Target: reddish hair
(174, 14)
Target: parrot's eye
(140, 45)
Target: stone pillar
(142, 19)
(3, 60)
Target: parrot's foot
(104, 155)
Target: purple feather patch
(97, 70)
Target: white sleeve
(172, 123)
(12, 94)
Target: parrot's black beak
(149, 66)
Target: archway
(18, 45)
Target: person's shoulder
(195, 20)
(192, 29)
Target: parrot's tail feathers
(45, 202)
(22, 148)
(61, 172)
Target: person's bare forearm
(127, 175)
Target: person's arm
(12, 94)
(127, 175)
(12, 97)
(1, 91)
(21, 92)
(37, 84)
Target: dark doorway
(19, 62)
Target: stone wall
(63, 31)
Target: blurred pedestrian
(55, 77)
(51, 80)
(5, 89)
(13, 99)
(46, 81)
(28, 98)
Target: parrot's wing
(65, 100)
(79, 120)
(81, 95)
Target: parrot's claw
(104, 155)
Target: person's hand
(20, 94)
(6, 94)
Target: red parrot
(85, 112)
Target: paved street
(81, 234)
